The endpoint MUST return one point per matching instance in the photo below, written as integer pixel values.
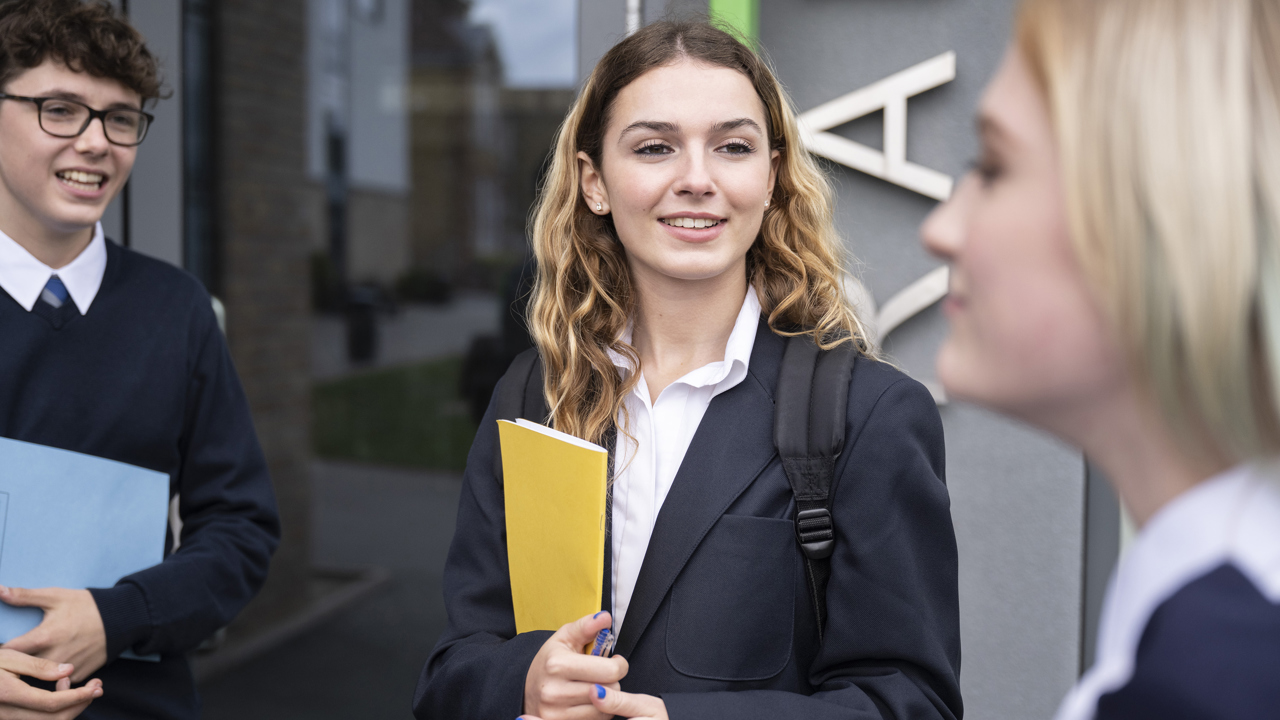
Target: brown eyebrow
(735, 124)
(661, 126)
(654, 125)
(77, 97)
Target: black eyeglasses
(68, 119)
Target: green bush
(408, 415)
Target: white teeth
(81, 178)
(691, 222)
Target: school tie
(54, 293)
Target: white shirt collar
(23, 276)
(737, 351)
(1233, 517)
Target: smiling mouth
(697, 223)
(84, 181)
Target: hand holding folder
(69, 520)
(555, 487)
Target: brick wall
(268, 221)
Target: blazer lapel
(733, 444)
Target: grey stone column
(269, 215)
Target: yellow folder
(555, 502)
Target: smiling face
(685, 171)
(1027, 335)
(54, 189)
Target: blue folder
(73, 521)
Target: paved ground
(364, 662)
(416, 332)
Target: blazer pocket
(733, 606)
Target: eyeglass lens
(68, 119)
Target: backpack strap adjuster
(816, 533)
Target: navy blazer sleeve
(230, 524)
(892, 642)
(478, 668)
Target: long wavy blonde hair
(583, 295)
(1167, 116)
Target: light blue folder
(73, 521)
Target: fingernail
(599, 692)
(97, 692)
(64, 667)
(593, 617)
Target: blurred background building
(352, 179)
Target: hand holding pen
(563, 679)
(575, 660)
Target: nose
(943, 231)
(695, 177)
(93, 141)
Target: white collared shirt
(661, 431)
(24, 277)
(1231, 518)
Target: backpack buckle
(816, 533)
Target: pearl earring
(766, 203)
(599, 207)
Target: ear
(775, 159)
(593, 190)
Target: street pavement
(362, 663)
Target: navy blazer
(721, 623)
(1209, 652)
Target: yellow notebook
(555, 503)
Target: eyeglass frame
(93, 115)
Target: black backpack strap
(519, 395)
(808, 429)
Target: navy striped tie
(54, 292)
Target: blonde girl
(1116, 280)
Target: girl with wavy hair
(1116, 280)
(682, 235)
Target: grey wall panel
(659, 9)
(601, 23)
(155, 188)
(1017, 501)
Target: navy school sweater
(145, 378)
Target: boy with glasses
(107, 352)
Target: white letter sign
(889, 94)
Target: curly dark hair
(87, 37)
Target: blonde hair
(583, 296)
(1167, 115)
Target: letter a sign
(890, 95)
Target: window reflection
(430, 185)
(427, 124)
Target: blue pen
(603, 646)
